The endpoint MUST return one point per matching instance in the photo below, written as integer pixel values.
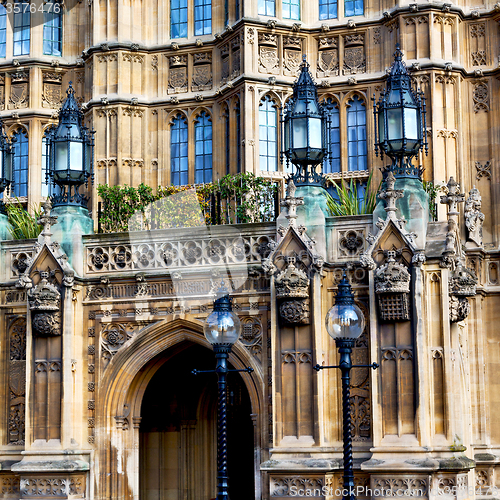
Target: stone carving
(53, 487)
(17, 381)
(478, 58)
(354, 55)
(177, 76)
(294, 311)
(292, 283)
(45, 302)
(291, 203)
(268, 60)
(452, 199)
(480, 97)
(287, 486)
(19, 90)
(463, 282)
(392, 286)
(351, 242)
(483, 170)
(474, 217)
(251, 335)
(113, 336)
(459, 309)
(396, 487)
(184, 253)
(477, 30)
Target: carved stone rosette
(392, 286)
(292, 293)
(45, 304)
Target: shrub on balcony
(22, 225)
(349, 201)
(235, 198)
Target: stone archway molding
(120, 393)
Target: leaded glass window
(52, 29)
(267, 8)
(291, 9)
(179, 152)
(356, 134)
(20, 164)
(178, 18)
(332, 162)
(327, 9)
(202, 17)
(3, 30)
(268, 136)
(353, 8)
(22, 19)
(203, 149)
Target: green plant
(432, 190)
(349, 203)
(239, 198)
(22, 225)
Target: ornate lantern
(345, 320)
(70, 153)
(304, 131)
(222, 327)
(400, 120)
(6, 155)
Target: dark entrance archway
(178, 431)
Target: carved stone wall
(17, 380)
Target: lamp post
(400, 121)
(305, 129)
(222, 329)
(345, 322)
(70, 153)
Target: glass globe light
(345, 320)
(222, 327)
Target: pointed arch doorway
(178, 430)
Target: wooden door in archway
(178, 432)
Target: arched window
(353, 8)
(238, 137)
(45, 187)
(268, 135)
(3, 30)
(227, 125)
(356, 134)
(178, 18)
(291, 9)
(202, 17)
(332, 163)
(20, 164)
(22, 21)
(179, 152)
(327, 9)
(52, 29)
(267, 8)
(203, 149)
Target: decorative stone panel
(269, 61)
(53, 486)
(202, 71)
(354, 54)
(328, 56)
(292, 54)
(19, 90)
(177, 74)
(296, 486)
(51, 95)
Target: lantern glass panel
(300, 105)
(381, 125)
(411, 123)
(395, 124)
(315, 133)
(299, 133)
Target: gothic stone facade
(79, 351)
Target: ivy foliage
(432, 190)
(234, 199)
(22, 224)
(349, 202)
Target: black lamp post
(305, 129)
(222, 329)
(345, 322)
(70, 153)
(6, 157)
(400, 121)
